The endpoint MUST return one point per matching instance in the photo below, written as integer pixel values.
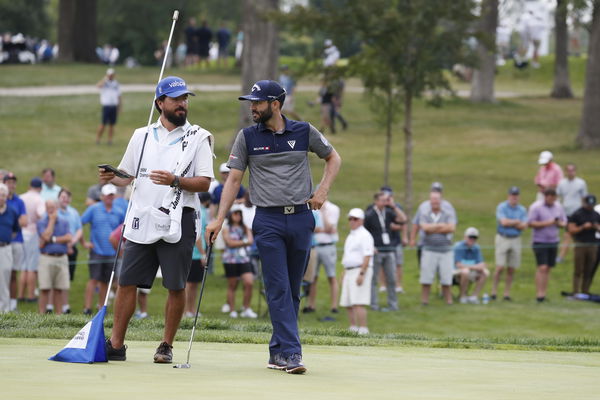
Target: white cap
(236, 207)
(328, 42)
(108, 189)
(545, 157)
(110, 71)
(224, 168)
(357, 213)
(471, 231)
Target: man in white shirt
(571, 191)
(358, 272)
(110, 100)
(167, 170)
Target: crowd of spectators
(21, 49)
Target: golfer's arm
(194, 183)
(333, 162)
(230, 191)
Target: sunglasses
(473, 237)
(352, 219)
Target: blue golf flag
(87, 346)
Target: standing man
(14, 201)
(50, 189)
(571, 190)
(9, 227)
(69, 213)
(223, 39)
(176, 164)
(382, 220)
(549, 174)
(583, 225)
(358, 272)
(289, 84)
(276, 152)
(511, 219)
(204, 35)
(110, 100)
(545, 217)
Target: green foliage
(29, 17)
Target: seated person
(469, 266)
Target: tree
(562, 83)
(29, 17)
(482, 87)
(589, 133)
(406, 47)
(77, 30)
(261, 48)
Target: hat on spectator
(36, 183)
(545, 157)
(109, 189)
(204, 197)
(387, 189)
(471, 232)
(437, 187)
(590, 199)
(172, 86)
(356, 213)
(514, 190)
(223, 168)
(9, 176)
(110, 71)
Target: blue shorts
(109, 115)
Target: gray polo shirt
(278, 161)
(439, 242)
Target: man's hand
(360, 279)
(105, 175)
(317, 200)
(212, 231)
(88, 245)
(160, 177)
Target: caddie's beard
(262, 116)
(174, 118)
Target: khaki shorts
(508, 251)
(433, 262)
(53, 272)
(352, 294)
(311, 268)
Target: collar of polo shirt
(263, 128)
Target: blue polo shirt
(72, 217)
(505, 210)
(216, 194)
(61, 227)
(9, 224)
(19, 206)
(102, 223)
(467, 255)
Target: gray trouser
(387, 261)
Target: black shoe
(334, 310)
(67, 311)
(164, 354)
(493, 297)
(540, 299)
(277, 361)
(507, 298)
(115, 354)
(48, 311)
(87, 311)
(307, 310)
(294, 364)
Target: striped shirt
(102, 223)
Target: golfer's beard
(263, 116)
(175, 119)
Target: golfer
(175, 162)
(276, 152)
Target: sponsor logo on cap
(255, 88)
(177, 83)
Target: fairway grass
(228, 371)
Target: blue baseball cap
(172, 86)
(265, 90)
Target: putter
(187, 363)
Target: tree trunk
(388, 138)
(589, 133)
(562, 83)
(482, 86)
(77, 30)
(408, 151)
(261, 49)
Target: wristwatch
(175, 183)
(53, 239)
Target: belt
(352, 267)
(54, 254)
(324, 244)
(2, 244)
(508, 236)
(286, 210)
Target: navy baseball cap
(265, 90)
(172, 86)
(514, 190)
(590, 200)
(36, 182)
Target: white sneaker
(353, 328)
(399, 289)
(464, 300)
(189, 314)
(233, 314)
(111, 295)
(473, 300)
(248, 313)
(382, 288)
(363, 330)
(225, 309)
(141, 315)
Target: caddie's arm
(333, 163)
(189, 183)
(230, 191)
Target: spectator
(93, 194)
(337, 88)
(571, 190)
(326, 253)
(289, 84)
(199, 261)
(311, 268)
(438, 226)
(103, 219)
(204, 35)
(326, 100)
(9, 227)
(549, 174)
(583, 225)
(239, 47)
(358, 272)
(110, 100)
(70, 214)
(35, 208)
(470, 266)
(223, 39)
(53, 270)
(545, 217)
(511, 219)
(14, 201)
(191, 41)
(236, 261)
(331, 54)
(216, 194)
(50, 189)
(381, 221)
(159, 54)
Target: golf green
(237, 371)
